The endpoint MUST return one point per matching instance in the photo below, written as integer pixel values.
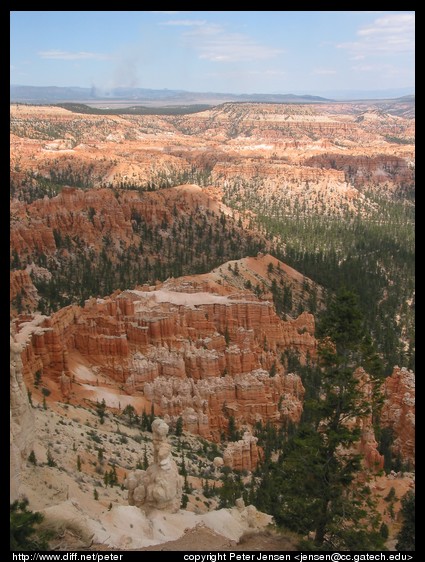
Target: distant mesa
(54, 94)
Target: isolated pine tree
(24, 532)
(179, 426)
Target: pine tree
(183, 470)
(130, 412)
(406, 536)
(144, 421)
(234, 434)
(145, 464)
(227, 336)
(24, 532)
(179, 427)
(32, 459)
(50, 460)
(314, 484)
(185, 501)
(151, 418)
(37, 378)
(101, 408)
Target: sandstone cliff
(22, 292)
(368, 446)
(243, 454)
(367, 169)
(192, 347)
(21, 418)
(398, 412)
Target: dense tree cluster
(369, 249)
(192, 242)
(312, 487)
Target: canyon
(195, 347)
(145, 273)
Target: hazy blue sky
(240, 52)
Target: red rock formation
(398, 412)
(65, 385)
(19, 280)
(21, 286)
(46, 341)
(243, 454)
(375, 168)
(368, 445)
(190, 351)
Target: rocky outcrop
(21, 418)
(273, 171)
(22, 292)
(160, 486)
(368, 446)
(243, 454)
(65, 385)
(76, 216)
(398, 412)
(374, 168)
(46, 341)
(192, 347)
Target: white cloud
(216, 44)
(364, 68)
(384, 70)
(184, 23)
(65, 55)
(324, 71)
(246, 73)
(391, 34)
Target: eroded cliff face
(243, 454)
(192, 347)
(368, 445)
(367, 169)
(22, 292)
(398, 412)
(21, 418)
(201, 347)
(283, 145)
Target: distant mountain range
(53, 94)
(151, 97)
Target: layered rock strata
(398, 412)
(243, 454)
(192, 347)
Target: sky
(224, 51)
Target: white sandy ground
(184, 299)
(127, 527)
(113, 398)
(66, 495)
